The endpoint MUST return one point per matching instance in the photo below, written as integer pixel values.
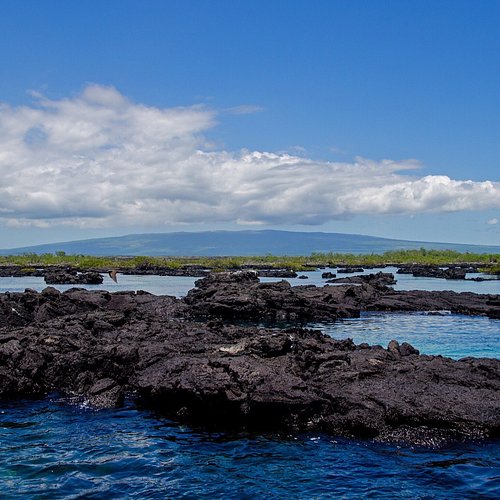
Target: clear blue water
(51, 449)
(55, 448)
(453, 335)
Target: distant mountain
(214, 243)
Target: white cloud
(98, 159)
(492, 222)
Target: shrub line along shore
(488, 262)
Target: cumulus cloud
(98, 159)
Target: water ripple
(70, 452)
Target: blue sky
(260, 114)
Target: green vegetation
(493, 269)
(421, 256)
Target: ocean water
(179, 285)
(57, 448)
(407, 281)
(157, 285)
(52, 449)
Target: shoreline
(440, 271)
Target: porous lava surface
(181, 357)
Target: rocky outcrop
(347, 270)
(449, 273)
(242, 296)
(33, 308)
(147, 268)
(10, 270)
(72, 277)
(277, 273)
(467, 303)
(99, 347)
(378, 280)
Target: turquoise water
(453, 335)
(56, 448)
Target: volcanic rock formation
(178, 356)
